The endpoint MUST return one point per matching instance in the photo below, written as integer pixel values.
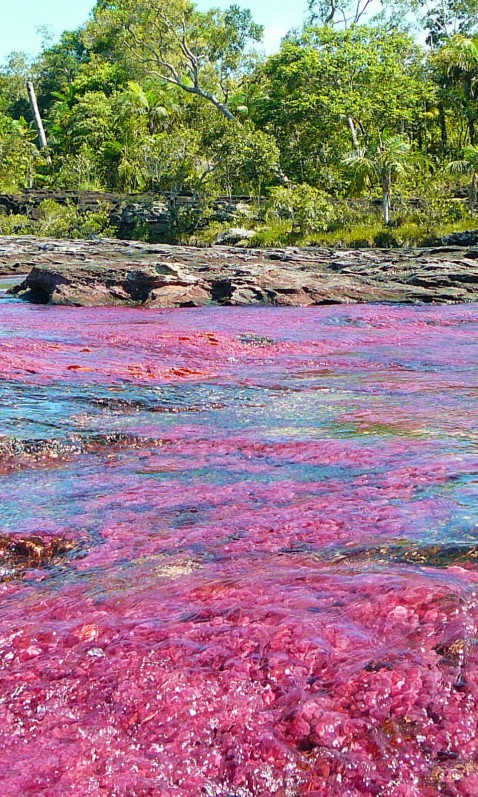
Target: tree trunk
(443, 130)
(473, 192)
(471, 132)
(386, 198)
(36, 115)
(469, 102)
(353, 132)
(386, 209)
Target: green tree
(443, 19)
(203, 54)
(244, 160)
(455, 66)
(308, 208)
(440, 19)
(468, 165)
(19, 158)
(380, 165)
(328, 90)
(58, 66)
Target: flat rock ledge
(112, 272)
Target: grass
(366, 232)
(276, 233)
(365, 235)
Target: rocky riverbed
(239, 551)
(113, 272)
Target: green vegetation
(59, 221)
(352, 134)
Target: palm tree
(157, 107)
(460, 56)
(468, 165)
(457, 61)
(380, 164)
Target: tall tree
(203, 54)
(443, 19)
(380, 165)
(329, 90)
(468, 164)
(455, 66)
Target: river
(268, 583)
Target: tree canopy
(156, 95)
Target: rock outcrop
(465, 238)
(19, 554)
(111, 272)
(151, 214)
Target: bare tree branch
(331, 15)
(167, 71)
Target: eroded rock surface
(111, 272)
(18, 554)
(15, 452)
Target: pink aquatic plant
(265, 580)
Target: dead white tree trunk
(36, 115)
(353, 132)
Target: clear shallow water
(7, 282)
(274, 586)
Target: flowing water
(268, 584)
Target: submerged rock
(410, 553)
(15, 451)
(18, 554)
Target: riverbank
(113, 272)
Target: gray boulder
(466, 238)
(234, 236)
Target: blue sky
(19, 19)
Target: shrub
(16, 225)
(56, 221)
(59, 221)
(66, 221)
(208, 235)
(308, 208)
(276, 233)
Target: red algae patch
(240, 551)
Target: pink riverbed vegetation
(222, 614)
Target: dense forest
(363, 127)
